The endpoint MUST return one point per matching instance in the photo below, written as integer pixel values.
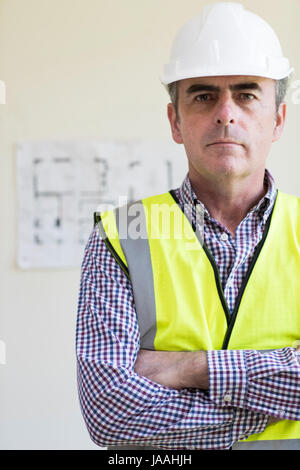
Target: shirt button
(281, 412)
(227, 397)
(224, 237)
(230, 283)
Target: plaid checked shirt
(246, 387)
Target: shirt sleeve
(266, 382)
(121, 407)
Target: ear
(279, 122)
(174, 123)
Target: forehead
(231, 82)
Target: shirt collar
(262, 209)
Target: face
(227, 125)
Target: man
(190, 341)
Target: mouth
(224, 144)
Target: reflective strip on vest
(180, 302)
(137, 253)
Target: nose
(225, 111)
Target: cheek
(259, 133)
(265, 132)
(193, 130)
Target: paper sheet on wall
(61, 184)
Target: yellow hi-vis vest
(178, 296)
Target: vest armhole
(101, 231)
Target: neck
(229, 201)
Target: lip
(226, 143)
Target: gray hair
(281, 87)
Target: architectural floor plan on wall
(61, 184)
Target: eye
(247, 96)
(203, 97)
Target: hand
(174, 369)
(296, 346)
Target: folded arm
(267, 383)
(121, 406)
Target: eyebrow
(236, 87)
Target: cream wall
(84, 68)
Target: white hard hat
(226, 39)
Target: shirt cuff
(264, 382)
(228, 377)
(274, 383)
